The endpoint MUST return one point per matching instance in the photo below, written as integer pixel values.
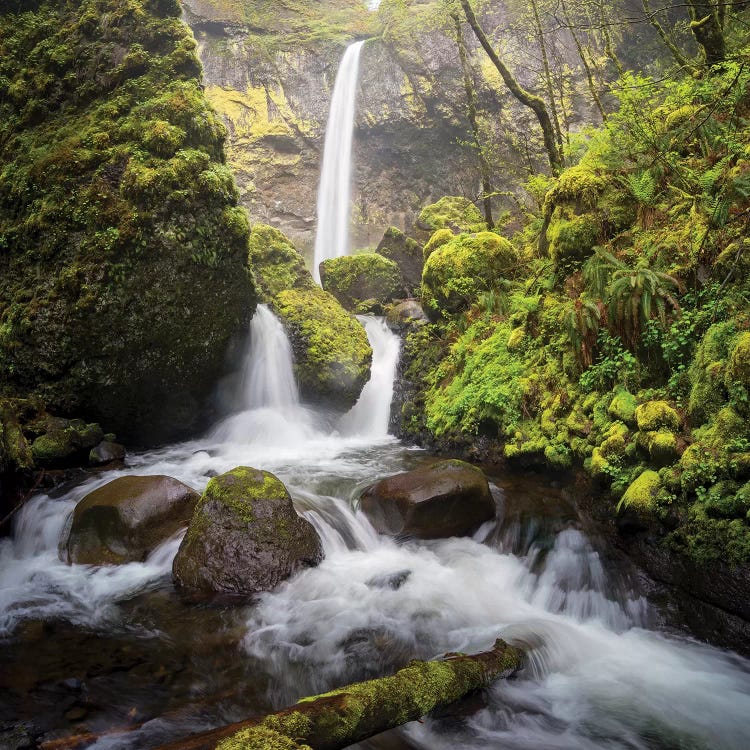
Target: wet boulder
(359, 280)
(65, 442)
(406, 253)
(106, 452)
(245, 537)
(449, 498)
(405, 315)
(126, 519)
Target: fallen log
(355, 712)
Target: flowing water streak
(371, 414)
(334, 200)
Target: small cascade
(332, 238)
(268, 371)
(370, 416)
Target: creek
(96, 649)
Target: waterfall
(371, 414)
(268, 370)
(332, 238)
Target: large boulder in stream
(331, 353)
(126, 519)
(406, 253)
(245, 537)
(449, 498)
(359, 281)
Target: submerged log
(355, 712)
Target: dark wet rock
(245, 537)
(66, 443)
(405, 315)
(389, 580)
(449, 498)
(106, 452)
(18, 736)
(126, 519)
(406, 253)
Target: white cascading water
(334, 199)
(371, 414)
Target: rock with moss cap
(451, 212)
(406, 253)
(458, 272)
(244, 537)
(449, 498)
(623, 406)
(438, 239)
(276, 263)
(126, 519)
(641, 495)
(66, 443)
(653, 415)
(331, 353)
(354, 279)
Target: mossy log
(355, 712)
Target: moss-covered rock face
(244, 537)
(737, 376)
(406, 253)
(654, 415)
(437, 239)
(276, 263)
(352, 279)
(119, 224)
(457, 272)
(331, 353)
(642, 493)
(623, 406)
(451, 212)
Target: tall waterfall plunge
(334, 199)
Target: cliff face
(270, 69)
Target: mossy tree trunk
(471, 113)
(707, 30)
(533, 102)
(681, 60)
(355, 712)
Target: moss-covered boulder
(706, 373)
(126, 519)
(331, 353)
(245, 537)
(437, 239)
(451, 212)
(66, 443)
(276, 263)
(449, 498)
(119, 223)
(573, 239)
(641, 495)
(353, 279)
(623, 406)
(15, 452)
(405, 315)
(737, 375)
(654, 415)
(406, 253)
(457, 272)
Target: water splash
(334, 200)
(370, 416)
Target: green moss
(706, 539)
(642, 493)
(352, 279)
(457, 272)
(578, 186)
(706, 373)
(623, 406)
(454, 213)
(331, 353)
(656, 414)
(737, 375)
(573, 240)
(117, 214)
(261, 738)
(438, 239)
(276, 263)
(662, 447)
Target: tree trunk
(471, 113)
(707, 30)
(535, 103)
(353, 713)
(682, 61)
